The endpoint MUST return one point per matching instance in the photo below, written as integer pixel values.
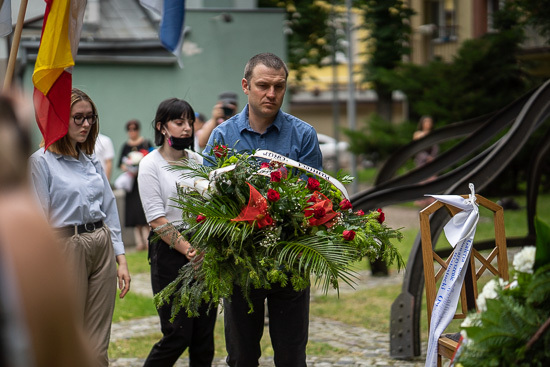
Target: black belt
(81, 228)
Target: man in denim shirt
(262, 125)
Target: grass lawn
(364, 308)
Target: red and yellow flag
(52, 77)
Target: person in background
(105, 153)
(425, 126)
(225, 108)
(200, 120)
(79, 204)
(133, 150)
(168, 249)
(36, 299)
(263, 125)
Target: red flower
(360, 212)
(348, 235)
(313, 184)
(382, 217)
(265, 221)
(284, 172)
(220, 151)
(345, 204)
(275, 164)
(200, 218)
(273, 195)
(264, 165)
(320, 212)
(276, 176)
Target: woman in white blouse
(79, 204)
(173, 126)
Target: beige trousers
(94, 274)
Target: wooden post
(15, 45)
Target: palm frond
(327, 261)
(190, 169)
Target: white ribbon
(203, 185)
(460, 232)
(217, 172)
(267, 154)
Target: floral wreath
(256, 223)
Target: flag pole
(15, 45)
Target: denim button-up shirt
(287, 135)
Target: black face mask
(180, 143)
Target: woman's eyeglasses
(79, 119)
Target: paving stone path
(366, 347)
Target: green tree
(377, 139)
(537, 14)
(484, 76)
(308, 29)
(388, 34)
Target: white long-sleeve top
(158, 186)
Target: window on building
(492, 7)
(442, 13)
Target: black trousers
(288, 326)
(195, 333)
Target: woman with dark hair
(133, 150)
(79, 204)
(168, 249)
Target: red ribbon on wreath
(321, 210)
(256, 210)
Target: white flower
(490, 289)
(470, 320)
(134, 157)
(489, 292)
(464, 335)
(524, 260)
(481, 303)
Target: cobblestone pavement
(366, 347)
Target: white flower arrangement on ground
(513, 319)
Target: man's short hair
(268, 59)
